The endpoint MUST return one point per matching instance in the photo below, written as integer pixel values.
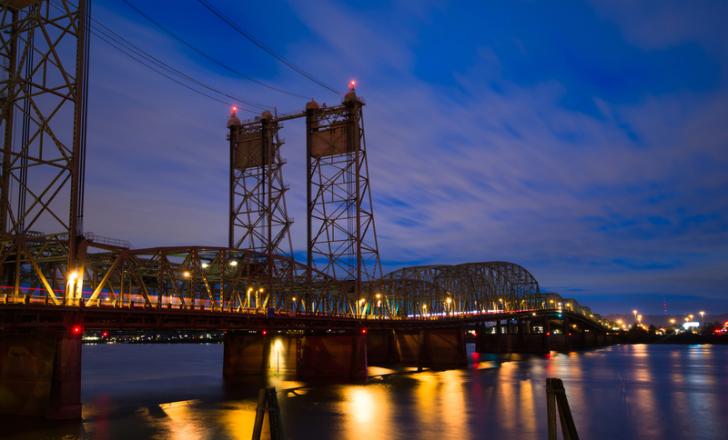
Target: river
(621, 392)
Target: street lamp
(702, 316)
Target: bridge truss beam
(43, 94)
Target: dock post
(556, 400)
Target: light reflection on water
(176, 392)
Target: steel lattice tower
(43, 95)
(342, 240)
(258, 218)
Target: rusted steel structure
(342, 239)
(439, 290)
(44, 56)
(258, 218)
(43, 93)
(55, 284)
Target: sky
(586, 141)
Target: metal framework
(342, 239)
(464, 288)
(43, 91)
(43, 95)
(258, 216)
(207, 279)
(181, 277)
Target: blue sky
(586, 141)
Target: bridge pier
(383, 348)
(40, 373)
(435, 348)
(245, 354)
(333, 357)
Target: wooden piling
(556, 401)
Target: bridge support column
(40, 373)
(333, 357)
(245, 354)
(435, 348)
(382, 348)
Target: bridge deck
(151, 317)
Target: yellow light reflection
(238, 420)
(183, 421)
(442, 410)
(367, 412)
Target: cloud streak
(604, 197)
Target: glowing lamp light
(186, 274)
(234, 109)
(104, 334)
(73, 276)
(77, 329)
(265, 332)
(352, 84)
(233, 263)
(363, 331)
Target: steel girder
(179, 277)
(456, 289)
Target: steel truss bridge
(43, 95)
(230, 280)
(57, 279)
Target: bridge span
(40, 344)
(58, 280)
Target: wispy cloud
(593, 194)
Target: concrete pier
(245, 354)
(436, 348)
(333, 357)
(40, 373)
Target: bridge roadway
(40, 345)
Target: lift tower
(342, 239)
(258, 217)
(43, 95)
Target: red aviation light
(363, 331)
(76, 329)
(234, 109)
(104, 334)
(352, 84)
(264, 332)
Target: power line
(155, 69)
(106, 32)
(207, 56)
(250, 37)
(134, 52)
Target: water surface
(620, 392)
